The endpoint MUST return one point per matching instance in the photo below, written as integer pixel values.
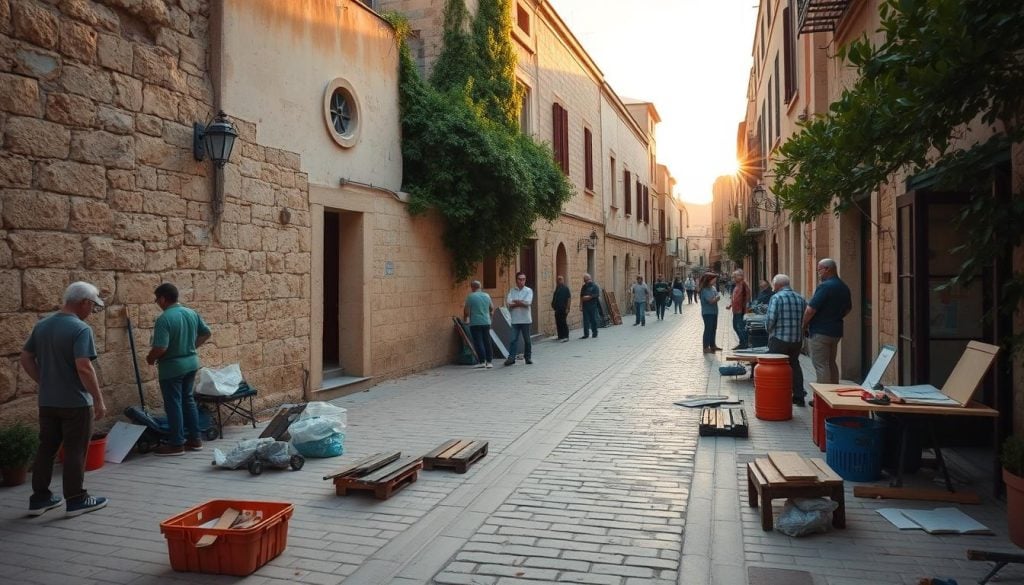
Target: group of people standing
(789, 319)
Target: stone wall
(98, 183)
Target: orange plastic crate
(236, 551)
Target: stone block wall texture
(98, 183)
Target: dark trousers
(180, 406)
(590, 319)
(740, 328)
(689, 296)
(520, 330)
(73, 427)
(561, 323)
(481, 335)
(659, 306)
(793, 351)
(710, 330)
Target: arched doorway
(562, 264)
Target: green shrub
(1013, 455)
(18, 445)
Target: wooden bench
(381, 473)
(785, 474)
(456, 454)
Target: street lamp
(760, 199)
(216, 139)
(588, 243)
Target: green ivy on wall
(463, 154)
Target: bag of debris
(275, 454)
(218, 381)
(319, 432)
(802, 516)
(243, 452)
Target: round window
(341, 113)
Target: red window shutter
(556, 134)
(588, 159)
(627, 191)
(565, 140)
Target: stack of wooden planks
(457, 454)
(382, 473)
(723, 422)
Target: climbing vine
(738, 243)
(463, 154)
(944, 64)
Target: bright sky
(692, 59)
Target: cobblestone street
(593, 476)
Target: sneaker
(488, 365)
(798, 402)
(85, 505)
(194, 445)
(586, 337)
(169, 450)
(595, 336)
(529, 361)
(40, 508)
(510, 362)
(565, 340)
(479, 366)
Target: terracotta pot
(1015, 506)
(13, 476)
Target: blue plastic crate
(853, 447)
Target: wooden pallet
(613, 307)
(457, 454)
(381, 473)
(723, 422)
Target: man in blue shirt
(58, 356)
(823, 321)
(783, 321)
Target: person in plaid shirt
(785, 332)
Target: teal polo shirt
(177, 329)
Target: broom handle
(135, 358)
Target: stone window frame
(350, 137)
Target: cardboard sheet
(937, 521)
(120, 440)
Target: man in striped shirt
(784, 324)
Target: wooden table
(829, 394)
(765, 482)
(751, 358)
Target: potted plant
(1013, 477)
(18, 444)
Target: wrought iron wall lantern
(760, 199)
(588, 243)
(215, 140)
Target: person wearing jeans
(590, 304)
(641, 296)
(783, 320)
(709, 311)
(58, 356)
(738, 302)
(477, 314)
(178, 332)
(519, 301)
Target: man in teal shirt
(177, 333)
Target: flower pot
(13, 476)
(1015, 506)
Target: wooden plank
(278, 427)
(460, 445)
(468, 451)
(367, 464)
(791, 465)
(768, 470)
(442, 448)
(225, 521)
(825, 473)
(903, 493)
(393, 468)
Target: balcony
(821, 15)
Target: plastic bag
(218, 381)
(319, 431)
(330, 446)
(241, 454)
(802, 516)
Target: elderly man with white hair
(58, 355)
(783, 322)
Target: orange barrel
(773, 387)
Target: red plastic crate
(236, 551)
(821, 412)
